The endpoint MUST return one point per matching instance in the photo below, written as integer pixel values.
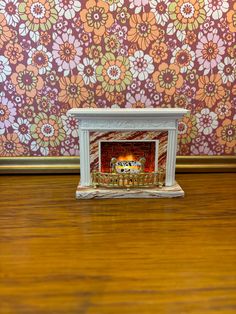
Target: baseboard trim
(206, 164)
(44, 165)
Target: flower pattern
(10, 145)
(167, 78)
(143, 29)
(38, 14)
(187, 14)
(96, 17)
(62, 54)
(26, 80)
(141, 65)
(73, 91)
(66, 52)
(113, 73)
(5, 32)
(210, 50)
(10, 10)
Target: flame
(126, 158)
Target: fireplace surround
(123, 120)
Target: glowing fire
(126, 158)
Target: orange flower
(167, 78)
(143, 29)
(96, 17)
(5, 32)
(26, 80)
(231, 18)
(72, 91)
(227, 133)
(191, 37)
(159, 51)
(14, 53)
(10, 145)
(223, 109)
(210, 89)
(38, 14)
(47, 130)
(187, 129)
(45, 38)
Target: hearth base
(102, 193)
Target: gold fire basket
(128, 180)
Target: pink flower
(7, 113)
(209, 52)
(66, 52)
(138, 101)
(202, 149)
(139, 2)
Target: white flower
(41, 58)
(141, 65)
(70, 126)
(44, 151)
(115, 106)
(22, 128)
(138, 5)
(184, 57)
(215, 9)
(160, 10)
(73, 151)
(10, 10)
(227, 70)
(5, 69)
(87, 71)
(206, 121)
(114, 4)
(67, 8)
(34, 146)
(2, 131)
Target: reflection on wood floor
(152, 256)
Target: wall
(58, 54)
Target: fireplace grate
(128, 180)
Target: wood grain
(121, 256)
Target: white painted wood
(126, 124)
(122, 113)
(85, 177)
(171, 157)
(110, 119)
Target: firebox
(128, 150)
(128, 164)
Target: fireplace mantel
(127, 119)
(130, 119)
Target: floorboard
(122, 256)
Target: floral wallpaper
(60, 54)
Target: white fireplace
(120, 120)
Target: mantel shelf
(95, 113)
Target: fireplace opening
(128, 164)
(128, 156)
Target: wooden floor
(164, 256)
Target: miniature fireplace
(128, 168)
